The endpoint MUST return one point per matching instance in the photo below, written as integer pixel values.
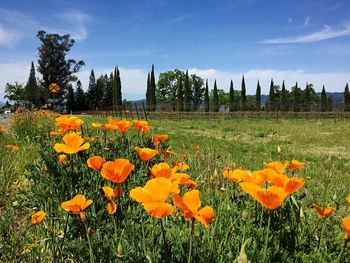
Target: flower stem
(191, 241)
(89, 242)
(166, 248)
(267, 236)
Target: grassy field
(295, 234)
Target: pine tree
(297, 98)
(187, 93)
(70, 99)
(153, 100)
(92, 92)
(258, 97)
(307, 98)
(215, 98)
(31, 89)
(329, 103)
(206, 98)
(232, 98)
(323, 100)
(243, 95)
(346, 98)
(79, 96)
(117, 88)
(107, 101)
(148, 95)
(180, 97)
(284, 98)
(101, 90)
(272, 97)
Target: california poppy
(123, 125)
(38, 217)
(272, 197)
(189, 204)
(68, 123)
(346, 226)
(153, 197)
(277, 166)
(180, 166)
(141, 126)
(117, 171)
(61, 158)
(77, 205)
(96, 162)
(290, 185)
(146, 154)
(110, 194)
(73, 143)
(323, 212)
(348, 199)
(12, 147)
(158, 138)
(296, 165)
(162, 170)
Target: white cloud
(307, 21)
(134, 79)
(75, 16)
(326, 33)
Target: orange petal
(192, 201)
(158, 210)
(111, 207)
(205, 215)
(293, 185)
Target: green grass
(295, 230)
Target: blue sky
(285, 40)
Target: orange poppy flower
(277, 166)
(184, 156)
(272, 197)
(153, 197)
(2, 128)
(141, 126)
(348, 199)
(77, 205)
(189, 204)
(146, 154)
(123, 125)
(180, 166)
(12, 147)
(162, 170)
(323, 212)
(62, 158)
(346, 226)
(117, 171)
(73, 143)
(183, 179)
(290, 185)
(158, 138)
(96, 124)
(38, 217)
(68, 123)
(196, 148)
(296, 165)
(96, 162)
(110, 194)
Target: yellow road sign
(54, 88)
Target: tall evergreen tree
(232, 97)
(198, 90)
(243, 95)
(79, 96)
(215, 98)
(346, 98)
(180, 97)
(206, 98)
(148, 93)
(187, 93)
(31, 89)
(92, 91)
(153, 100)
(297, 95)
(70, 99)
(107, 101)
(323, 100)
(284, 98)
(101, 90)
(117, 88)
(272, 97)
(307, 98)
(258, 97)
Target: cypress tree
(232, 98)
(346, 98)
(243, 95)
(272, 97)
(153, 100)
(297, 98)
(206, 98)
(117, 90)
(79, 96)
(31, 88)
(70, 99)
(215, 98)
(284, 99)
(258, 97)
(323, 100)
(101, 90)
(148, 99)
(307, 98)
(108, 91)
(187, 93)
(92, 91)
(180, 97)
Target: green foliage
(92, 92)
(323, 100)
(70, 99)
(232, 98)
(206, 98)
(187, 93)
(285, 98)
(80, 97)
(243, 95)
(180, 97)
(198, 91)
(215, 98)
(117, 88)
(297, 95)
(272, 97)
(148, 95)
(15, 92)
(346, 98)
(31, 89)
(258, 97)
(152, 91)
